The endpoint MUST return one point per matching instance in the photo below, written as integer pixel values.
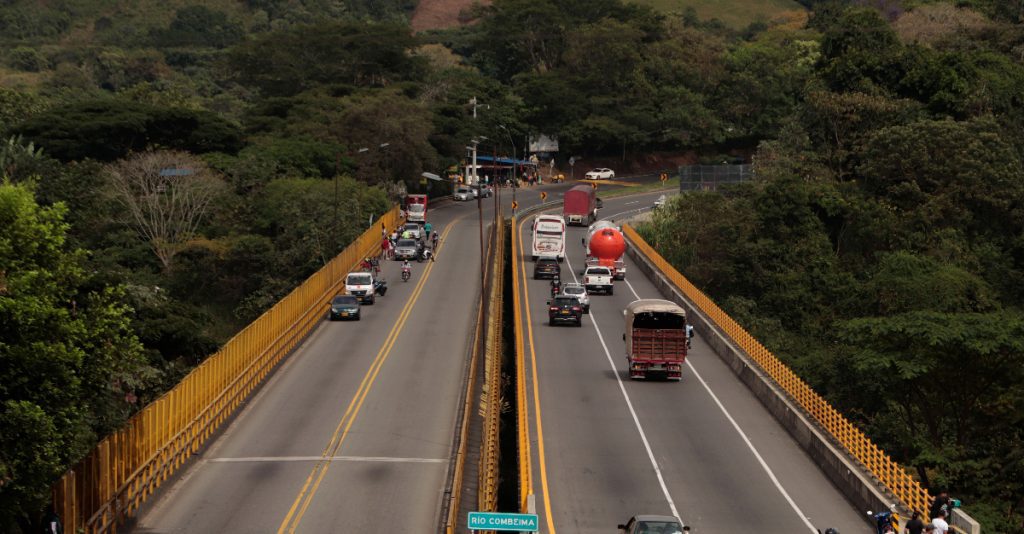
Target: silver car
(462, 193)
(640, 524)
(580, 292)
(407, 249)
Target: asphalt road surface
(353, 432)
(605, 448)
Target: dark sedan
(344, 307)
(565, 310)
(546, 268)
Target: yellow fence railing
(525, 471)
(481, 348)
(889, 473)
(126, 467)
(490, 454)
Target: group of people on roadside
(390, 241)
(939, 513)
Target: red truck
(579, 205)
(416, 208)
(656, 338)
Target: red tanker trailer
(605, 246)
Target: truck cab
(656, 339)
(416, 208)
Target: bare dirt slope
(436, 14)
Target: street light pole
(515, 172)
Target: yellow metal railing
(876, 461)
(126, 467)
(490, 454)
(525, 470)
(480, 346)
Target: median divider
(861, 470)
(522, 419)
(115, 478)
(491, 395)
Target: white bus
(549, 237)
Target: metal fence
(889, 473)
(710, 177)
(490, 455)
(117, 476)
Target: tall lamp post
(515, 172)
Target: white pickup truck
(597, 278)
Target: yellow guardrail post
(490, 455)
(124, 469)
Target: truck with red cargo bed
(579, 205)
(655, 337)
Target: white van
(548, 237)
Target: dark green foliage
(33, 21)
(879, 251)
(289, 62)
(69, 362)
(110, 128)
(27, 59)
(199, 25)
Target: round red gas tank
(607, 244)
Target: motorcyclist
(428, 254)
(433, 240)
(406, 269)
(556, 286)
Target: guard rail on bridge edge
(124, 469)
(488, 324)
(712, 322)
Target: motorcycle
(406, 273)
(380, 287)
(555, 289)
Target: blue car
(344, 307)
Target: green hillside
(734, 13)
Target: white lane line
(760, 460)
(629, 404)
(633, 202)
(385, 459)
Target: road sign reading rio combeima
(508, 522)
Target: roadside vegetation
(170, 170)
(878, 250)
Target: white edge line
(760, 460)
(331, 458)
(629, 404)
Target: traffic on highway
(631, 428)
(627, 421)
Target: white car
(600, 174)
(463, 193)
(580, 292)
